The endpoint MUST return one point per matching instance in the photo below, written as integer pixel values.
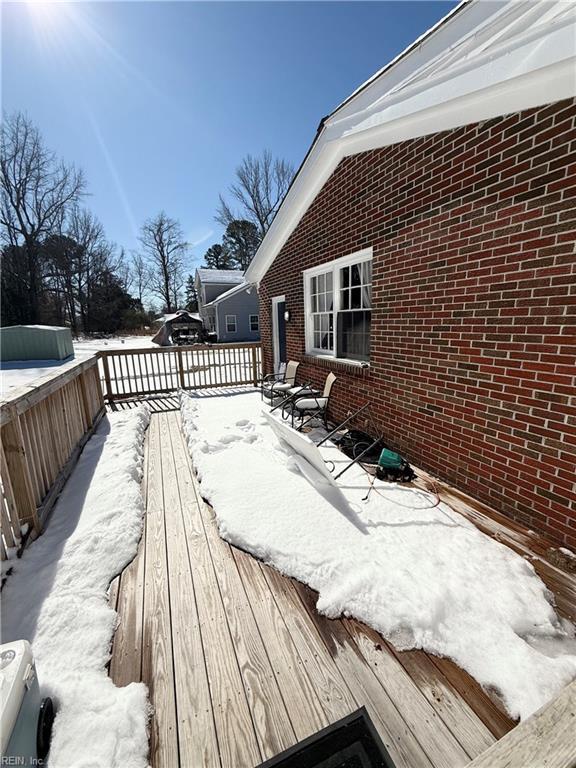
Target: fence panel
(42, 432)
(131, 373)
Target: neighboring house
(210, 283)
(425, 254)
(236, 314)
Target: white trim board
(487, 60)
(275, 338)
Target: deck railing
(130, 373)
(42, 431)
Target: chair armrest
(270, 376)
(306, 392)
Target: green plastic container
(390, 460)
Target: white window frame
(276, 331)
(250, 319)
(334, 266)
(227, 322)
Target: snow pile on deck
(56, 598)
(424, 576)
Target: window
(230, 323)
(254, 323)
(321, 306)
(339, 307)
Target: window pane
(355, 274)
(314, 304)
(329, 281)
(367, 272)
(345, 277)
(355, 298)
(345, 299)
(313, 285)
(366, 296)
(322, 303)
(321, 283)
(353, 335)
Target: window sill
(353, 367)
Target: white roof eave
(538, 67)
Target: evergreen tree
(191, 295)
(111, 304)
(217, 257)
(241, 241)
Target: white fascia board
(539, 68)
(491, 70)
(230, 293)
(433, 43)
(554, 83)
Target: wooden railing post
(9, 507)
(180, 368)
(17, 463)
(104, 357)
(254, 366)
(85, 401)
(99, 392)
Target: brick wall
(473, 345)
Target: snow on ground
(424, 576)
(56, 597)
(15, 374)
(90, 346)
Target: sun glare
(49, 18)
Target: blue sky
(159, 101)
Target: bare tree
(76, 260)
(140, 276)
(260, 186)
(164, 248)
(37, 190)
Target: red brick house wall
(473, 346)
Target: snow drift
(424, 576)
(56, 598)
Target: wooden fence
(42, 431)
(132, 373)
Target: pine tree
(191, 295)
(241, 240)
(217, 257)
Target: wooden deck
(239, 664)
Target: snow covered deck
(240, 665)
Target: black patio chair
(311, 404)
(275, 385)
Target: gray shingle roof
(230, 276)
(230, 292)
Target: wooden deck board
(240, 665)
(442, 748)
(127, 598)
(157, 661)
(196, 727)
(465, 724)
(271, 722)
(301, 698)
(335, 695)
(237, 739)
